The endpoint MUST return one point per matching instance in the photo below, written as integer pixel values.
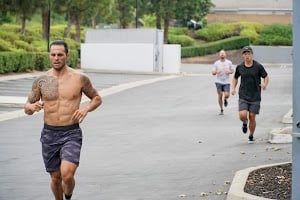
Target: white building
(263, 11)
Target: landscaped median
(236, 191)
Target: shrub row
(236, 42)
(23, 61)
(183, 40)
(276, 34)
(12, 40)
(218, 31)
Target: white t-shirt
(222, 66)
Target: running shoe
(244, 128)
(221, 113)
(250, 140)
(225, 102)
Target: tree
(4, 10)
(25, 9)
(101, 9)
(45, 6)
(75, 11)
(178, 9)
(167, 12)
(149, 8)
(126, 10)
(193, 9)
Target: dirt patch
(271, 182)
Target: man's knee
(56, 178)
(67, 171)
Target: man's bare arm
(33, 104)
(233, 86)
(91, 93)
(265, 83)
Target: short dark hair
(61, 42)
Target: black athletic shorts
(253, 107)
(60, 143)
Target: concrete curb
(281, 135)
(276, 136)
(288, 118)
(236, 191)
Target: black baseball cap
(247, 49)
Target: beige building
(263, 11)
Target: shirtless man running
(59, 93)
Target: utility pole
(48, 24)
(296, 102)
(136, 13)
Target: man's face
(222, 55)
(58, 56)
(248, 56)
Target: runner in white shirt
(222, 68)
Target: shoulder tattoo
(46, 87)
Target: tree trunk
(94, 22)
(70, 22)
(45, 20)
(23, 28)
(158, 21)
(166, 29)
(77, 27)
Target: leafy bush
(217, 31)
(23, 61)
(19, 44)
(183, 40)
(4, 45)
(41, 61)
(257, 27)
(178, 31)
(150, 20)
(250, 33)
(276, 34)
(13, 62)
(21, 53)
(8, 36)
(212, 47)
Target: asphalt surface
(154, 138)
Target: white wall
(139, 50)
(172, 58)
(124, 57)
(129, 57)
(121, 36)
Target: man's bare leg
(68, 170)
(56, 186)
(252, 123)
(244, 119)
(220, 101)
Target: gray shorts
(253, 107)
(223, 87)
(60, 143)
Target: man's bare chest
(54, 89)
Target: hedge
(213, 47)
(28, 61)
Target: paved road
(158, 141)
